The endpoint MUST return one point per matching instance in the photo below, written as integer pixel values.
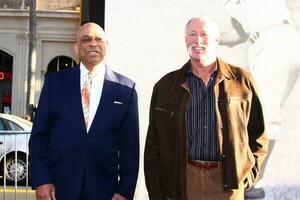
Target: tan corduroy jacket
(242, 139)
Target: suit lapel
(73, 94)
(109, 94)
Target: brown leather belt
(205, 164)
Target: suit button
(226, 188)
(223, 156)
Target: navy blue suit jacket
(61, 152)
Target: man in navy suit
(88, 157)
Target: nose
(199, 39)
(93, 43)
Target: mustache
(199, 46)
(94, 50)
(195, 47)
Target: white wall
(146, 40)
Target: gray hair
(213, 26)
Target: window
(1, 125)
(15, 4)
(6, 77)
(6, 65)
(13, 126)
(60, 63)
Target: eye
(85, 39)
(193, 34)
(99, 39)
(204, 35)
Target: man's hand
(45, 192)
(118, 197)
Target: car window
(13, 126)
(1, 125)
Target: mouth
(196, 50)
(93, 52)
(198, 47)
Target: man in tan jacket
(206, 137)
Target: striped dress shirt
(201, 119)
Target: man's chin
(195, 58)
(94, 60)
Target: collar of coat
(223, 71)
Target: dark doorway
(93, 11)
(6, 75)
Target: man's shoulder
(169, 78)
(170, 75)
(238, 71)
(119, 78)
(62, 73)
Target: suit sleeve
(129, 149)
(152, 161)
(258, 140)
(38, 141)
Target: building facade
(56, 28)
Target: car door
(5, 137)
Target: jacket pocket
(238, 112)
(163, 110)
(164, 121)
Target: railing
(14, 165)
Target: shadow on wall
(283, 192)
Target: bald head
(90, 45)
(89, 26)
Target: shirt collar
(99, 69)
(190, 72)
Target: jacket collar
(223, 71)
